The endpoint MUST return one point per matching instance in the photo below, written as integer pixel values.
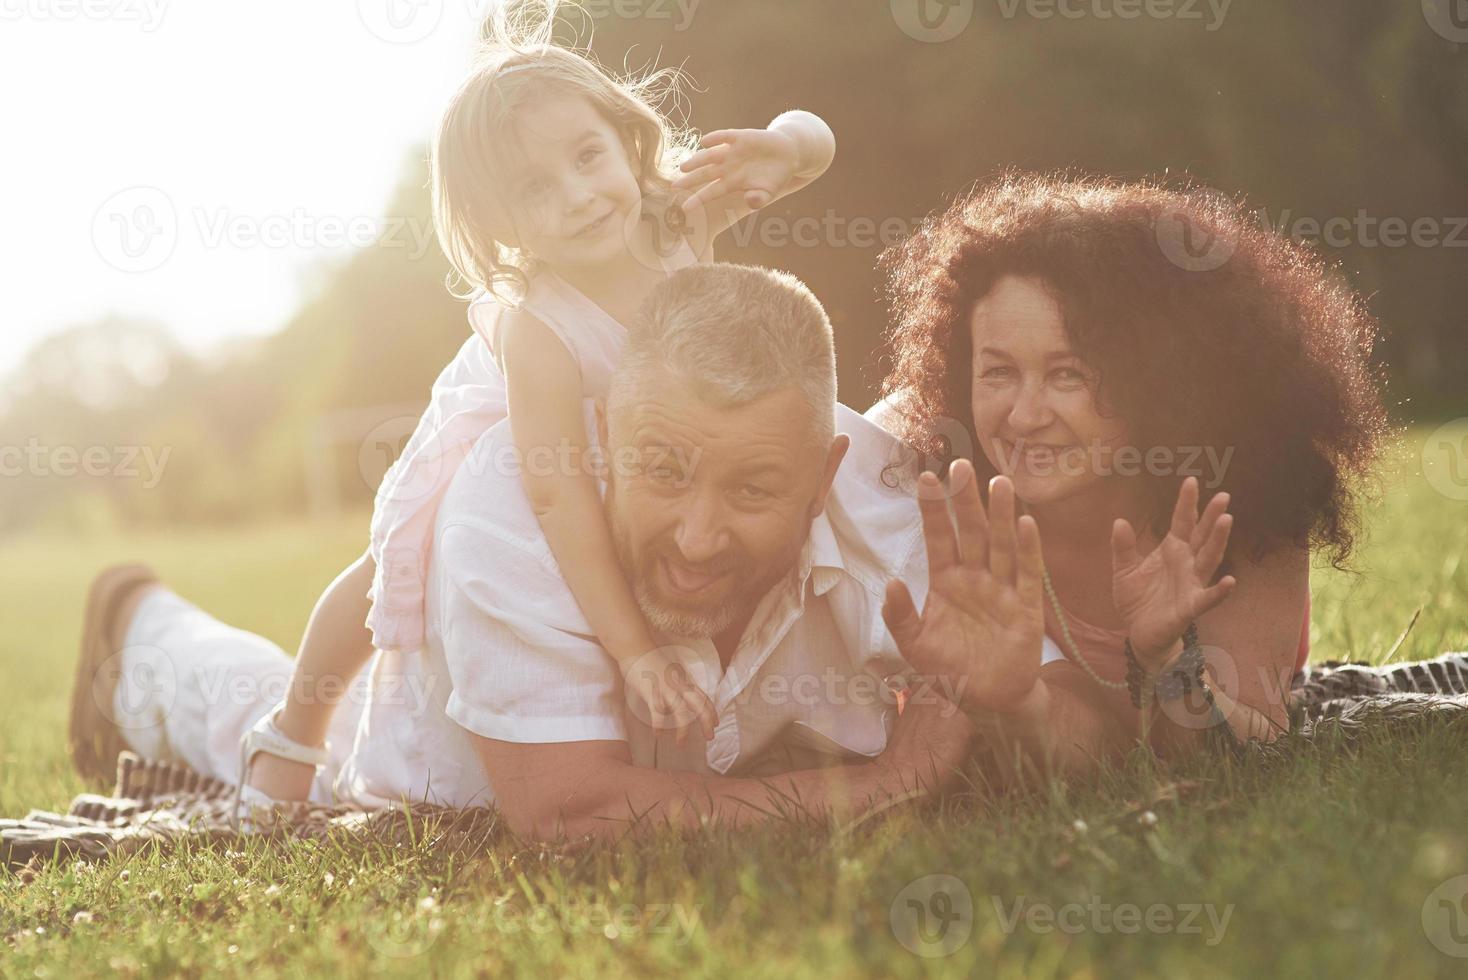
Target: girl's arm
(739, 171)
(548, 422)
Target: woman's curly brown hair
(1260, 348)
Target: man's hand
(566, 789)
(983, 624)
(929, 745)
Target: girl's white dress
(468, 398)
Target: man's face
(718, 505)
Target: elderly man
(758, 522)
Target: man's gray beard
(679, 622)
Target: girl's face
(1034, 404)
(572, 191)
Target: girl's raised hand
(1159, 595)
(757, 164)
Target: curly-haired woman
(1114, 378)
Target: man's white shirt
(510, 656)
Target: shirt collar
(821, 561)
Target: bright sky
(190, 160)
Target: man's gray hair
(734, 333)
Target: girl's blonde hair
(518, 62)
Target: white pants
(190, 687)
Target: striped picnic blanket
(162, 803)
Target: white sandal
(265, 736)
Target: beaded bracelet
(1174, 682)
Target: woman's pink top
(1104, 648)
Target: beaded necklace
(1074, 651)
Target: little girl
(552, 186)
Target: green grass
(1326, 859)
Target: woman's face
(1034, 405)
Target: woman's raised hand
(1159, 595)
(983, 624)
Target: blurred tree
(1312, 109)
